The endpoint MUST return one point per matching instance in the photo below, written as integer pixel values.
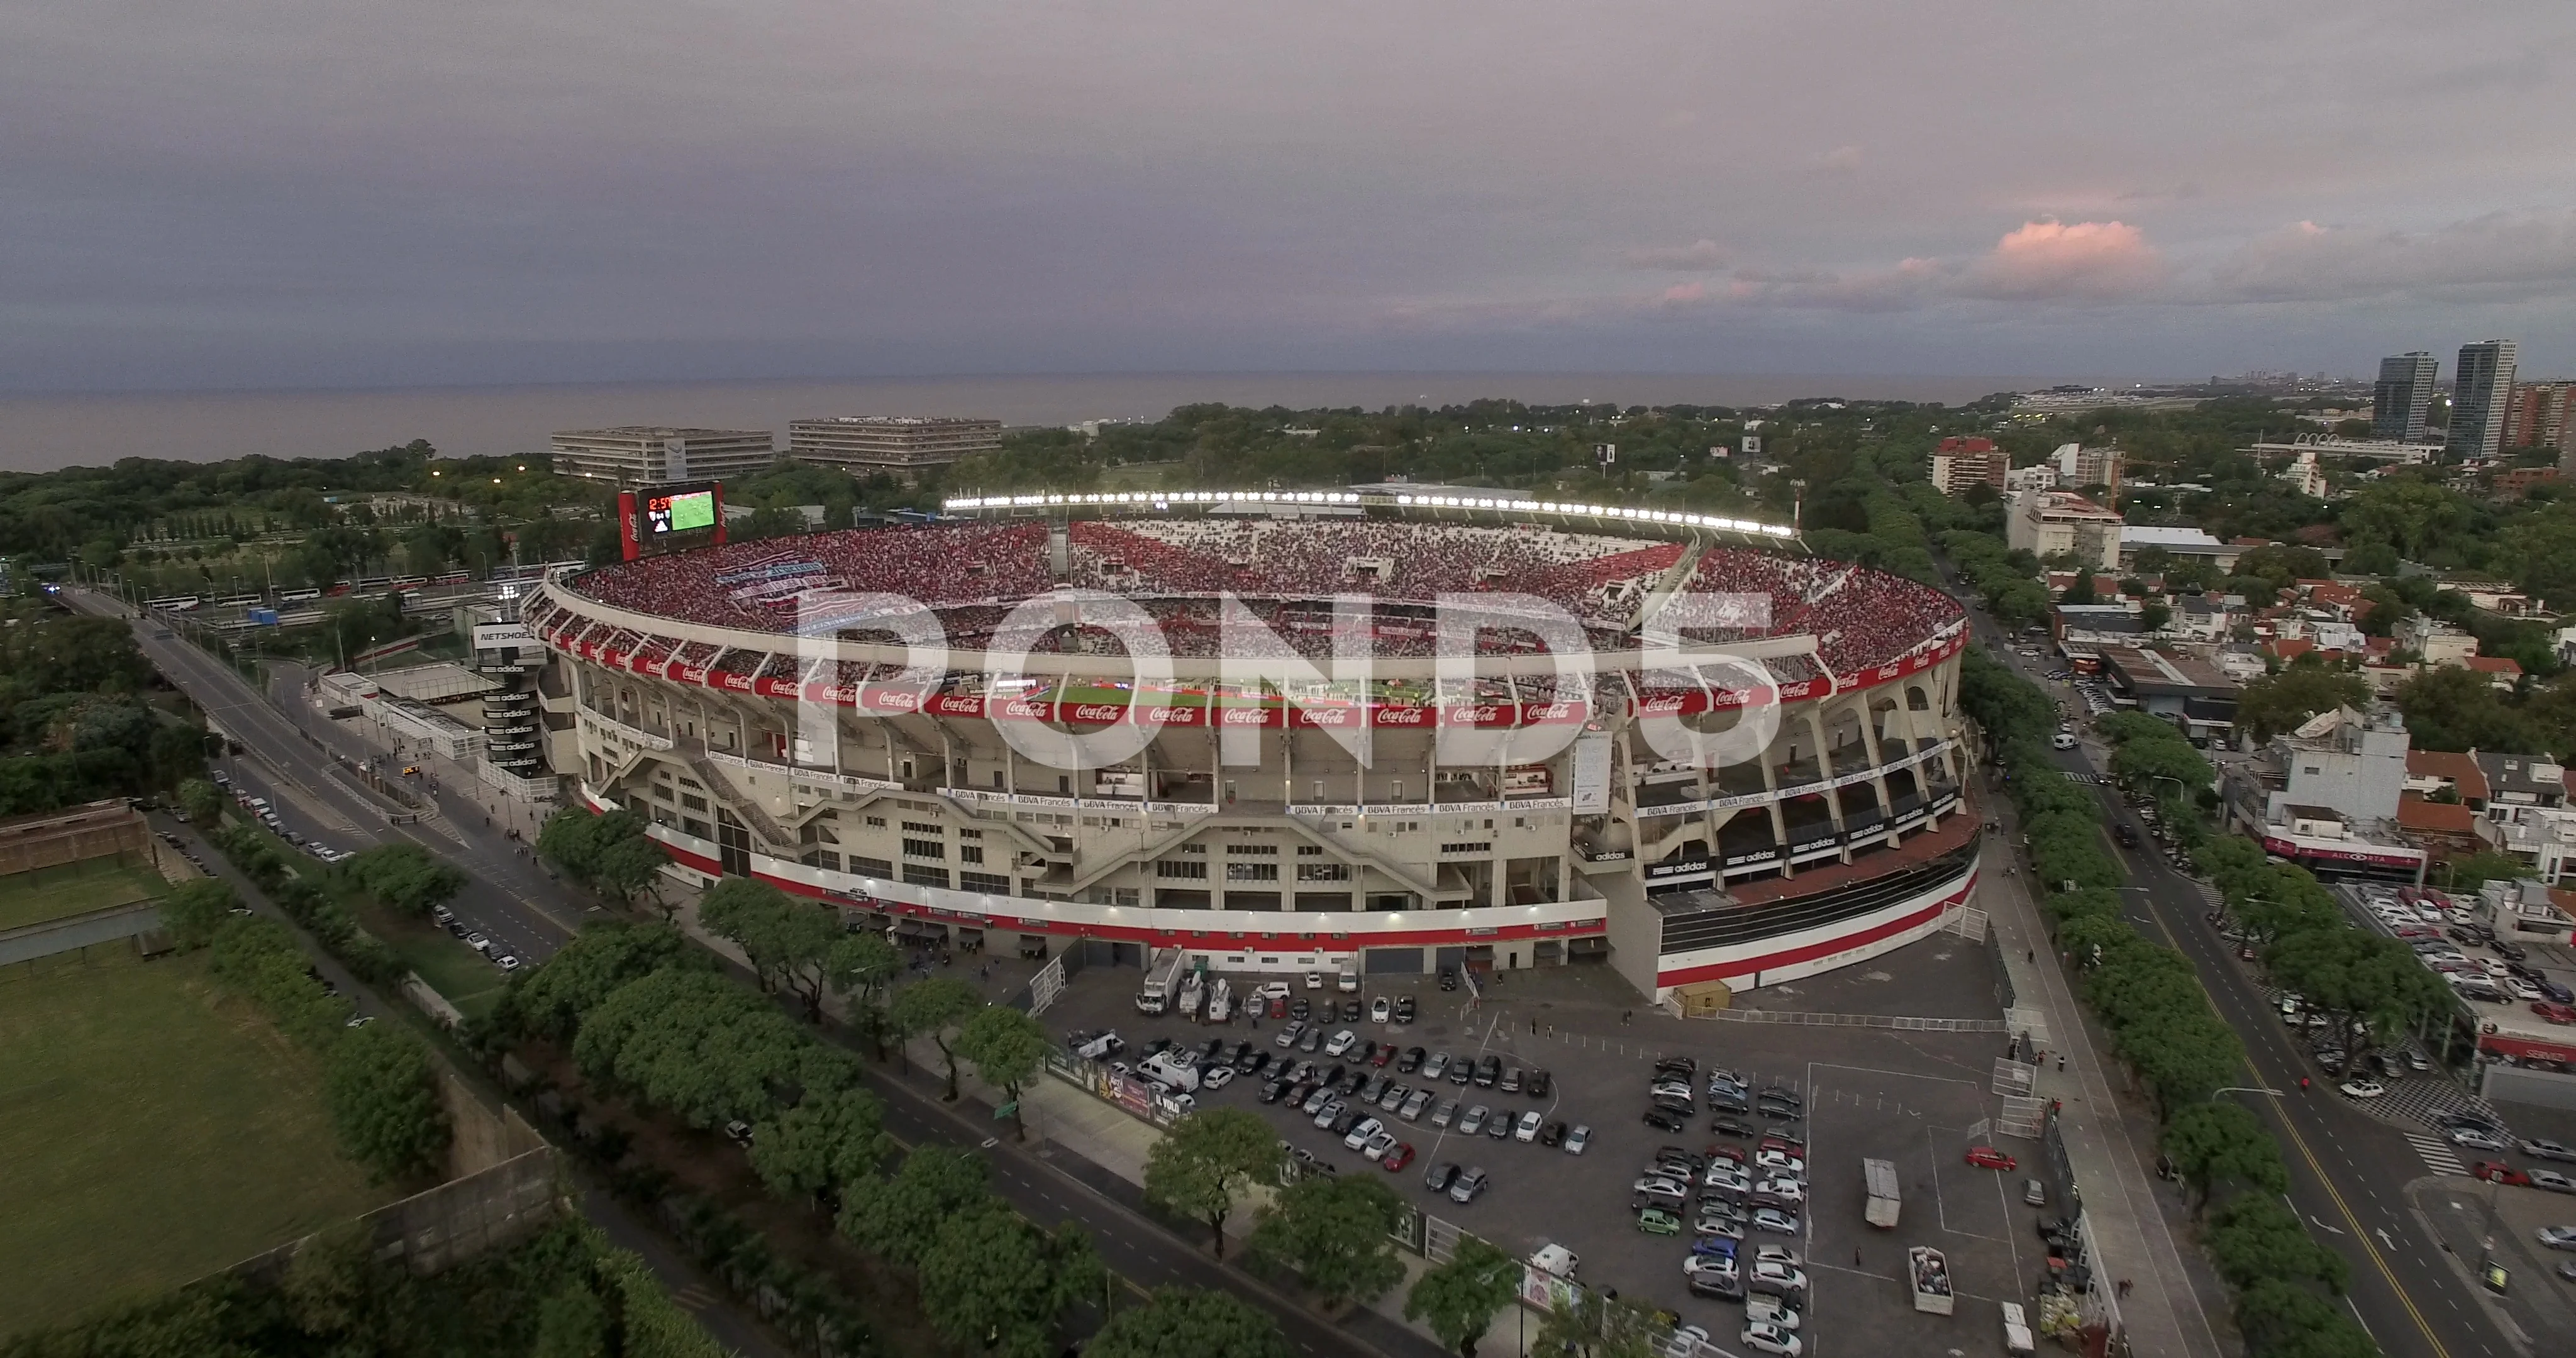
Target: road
(307, 765)
(2348, 1171)
(295, 756)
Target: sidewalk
(2162, 1314)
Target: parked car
(1987, 1157)
(2552, 1180)
(1381, 1010)
(1360, 1132)
(1465, 1188)
(1658, 1221)
(2546, 1150)
(1435, 1066)
(1528, 1128)
(2558, 1237)
(2479, 1138)
(1576, 1138)
(1474, 1121)
(2498, 1172)
(2363, 1089)
(1397, 1156)
(1666, 1120)
(1342, 1042)
(1438, 1177)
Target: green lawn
(51, 893)
(153, 1130)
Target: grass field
(51, 893)
(469, 982)
(153, 1131)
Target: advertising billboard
(670, 517)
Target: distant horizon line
(2013, 381)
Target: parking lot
(1909, 1097)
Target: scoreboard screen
(672, 517)
(682, 512)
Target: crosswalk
(694, 1297)
(2436, 1153)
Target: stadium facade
(1446, 734)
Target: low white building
(2438, 642)
(2049, 523)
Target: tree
(2284, 1320)
(550, 999)
(698, 1045)
(382, 1094)
(858, 969)
(2080, 592)
(2280, 702)
(203, 801)
(1590, 1325)
(572, 1323)
(193, 911)
(1458, 1299)
(929, 1008)
(2466, 874)
(786, 940)
(2212, 1143)
(1335, 1232)
(404, 877)
(609, 853)
(1007, 1048)
(812, 1149)
(1188, 1322)
(2256, 1236)
(1207, 1157)
(898, 1217)
(993, 1281)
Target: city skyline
(279, 199)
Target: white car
(1381, 1009)
(1777, 1254)
(1218, 1077)
(1764, 1337)
(1528, 1128)
(1359, 1135)
(1779, 1274)
(1656, 1183)
(506, 962)
(2552, 1180)
(2558, 1237)
(2061, 741)
(1775, 1158)
(1774, 1220)
(1713, 1265)
(1577, 1139)
(1784, 1188)
(2478, 1138)
(1342, 1041)
(2363, 1089)
(1379, 1145)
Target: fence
(1130, 1094)
(112, 924)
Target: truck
(1879, 1177)
(1349, 979)
(1162, 978)
(2017, 1338)
(1927, 1272)
(1169, 1068)
(1220, 1001)
(1193, 993)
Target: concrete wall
(2540, 1088)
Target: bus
(237, 601)
(299, 596)
(452, 578)
(174, 603)
(408, 582)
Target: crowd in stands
(1282, 569)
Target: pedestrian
(1627, 1015)
(1533, 1027)
(1855, 1256)
(2061, 1061)
(2124, 1288)
(2032, 955)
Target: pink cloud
(2047, 260)
(1700, 254)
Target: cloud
(1699, 256)
(1840, 160)
(2067, 261)
(2503, 256)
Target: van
(1555, 1260)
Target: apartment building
(1963, 462)
(2048, 522)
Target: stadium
(1294, 731)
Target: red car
(1384, 1055)
(1397, 1157)
(2554, 1011)
(1987, 1157)
(2498, 1172)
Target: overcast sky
(278, 193)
